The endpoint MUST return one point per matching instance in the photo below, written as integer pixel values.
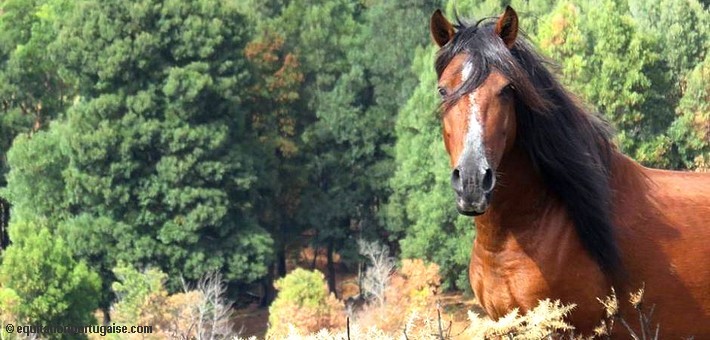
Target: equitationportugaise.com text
(90, 329)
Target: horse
(560, 212)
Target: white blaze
(466, 71)
(473, 143)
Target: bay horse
(560, 212)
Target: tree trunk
(315, 257)
(267, 284)
(281, 260)
(331, 269)
(360, 275)
(4, 222)
(107, 316)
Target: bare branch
(377, 274)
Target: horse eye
(507, 90)
(442, 92)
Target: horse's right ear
(507, 26)
(441, 29)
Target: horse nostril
(456, 180)
(488, 181)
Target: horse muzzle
(473, 190)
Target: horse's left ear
(507, 26)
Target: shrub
(410, 298)
(202, 312)
(42, 284)
(9, 303)
(133, 289)
(304, 303)
(420, 281)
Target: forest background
(215, 136)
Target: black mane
(570, 148)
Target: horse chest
(506, 282)
(518, 277)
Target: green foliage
(632, 65)
(153, 164)
(691, 130)
(609, 62)
(529, 10)
(36, 186)
(303, 288)
(31, 91)
(683, 29)
(277, 121)
(385, 48)
(421, 208)
(681, 26)
(52, 287)
(347, 106)
(333, 140)
(561, 38)
(9, 303)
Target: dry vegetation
(405, 304)
(399, 303)
(201, 311)
(546, 321)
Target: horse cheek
(496, 137)
(446, 132)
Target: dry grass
(546, 321)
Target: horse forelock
(570, 148)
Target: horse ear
(441, 29)
(507, 26)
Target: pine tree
(156, 162)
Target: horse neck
(522, 205)
(519, 201)
(629, 178)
